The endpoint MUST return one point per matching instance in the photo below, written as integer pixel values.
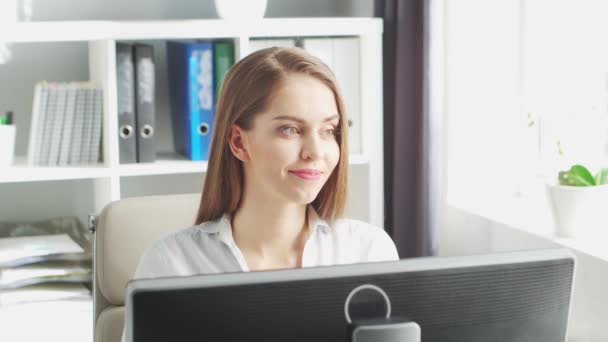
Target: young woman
(275, 190)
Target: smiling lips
(308, 174)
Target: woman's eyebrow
(298, 120)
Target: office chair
(123, 230)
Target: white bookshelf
(366, 184)
(70, 31)
(167, 163)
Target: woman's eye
(332, 131)
(290, 130)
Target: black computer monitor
(514, 296)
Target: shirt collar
(315, 223)
(225, 229)
(223, 225)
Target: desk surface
(66, 321)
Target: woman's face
(292, 147)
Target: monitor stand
(384, 330)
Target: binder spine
(223, 59)
(191, 80)
(127, 136)
(203, 100)
(194, 141)
(145, 103)
(177, 94)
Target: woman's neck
(272, 235)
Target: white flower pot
(579, 211)
(240, 9)
(7, 145)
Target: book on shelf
(97, 108)
(145, 98)
(75, 152)
(85, 152)
(41, 93)
(223, 58)
(56, 125)
(49, 117)
(193, 72)
(125, 84)
(66, 124)
(341, 55)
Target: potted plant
(579, 202)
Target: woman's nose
(312, 147)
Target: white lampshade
(240, 9)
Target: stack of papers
(32, 274)
(22, 250)
(43, 268)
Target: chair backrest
(123, 230)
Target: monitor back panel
(526, 302)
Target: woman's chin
(304, 197)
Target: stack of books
(66, 124)
(43, 268)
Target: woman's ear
(236, 140)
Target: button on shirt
(210, 248)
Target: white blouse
(210, 248)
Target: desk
(66, 321)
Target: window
(524, 80)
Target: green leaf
(565, 178)
(602, 177)
(581, 176)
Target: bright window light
(524, 80)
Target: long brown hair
(247, 90)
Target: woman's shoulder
(373, 240)
(172, 237)
(176, 250)
(189, 233)
(356, 227)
